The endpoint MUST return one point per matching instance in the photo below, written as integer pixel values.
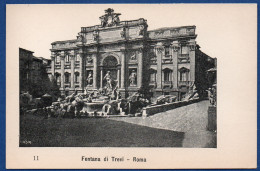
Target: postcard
(131, 86)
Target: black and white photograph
(124, 76)
(120, 84)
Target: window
(57, 77)
(152, 54)
(153, 76)
(58, 59)
(184, 50)
(184, 74)
(167, 51)
(77, 57)
(167, 75)
(76, 77)
(67, 58)
(67, 77)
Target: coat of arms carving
(110, 18)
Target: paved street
(181, 127)
(191, 119)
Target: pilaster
(174, 52)
(95, 71)
(62, 56)
(81, 68)
(72, 63)
(123, 68)
(192, 46)
(52, 65)
(159, 51)
(101, 77)
(140, 68)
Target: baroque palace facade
(161, 61)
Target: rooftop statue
(110, 18)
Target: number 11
(35, 158)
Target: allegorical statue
(90, 79)
(108, 80)
(132, 78)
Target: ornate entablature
(112, 30)
(172, 32)
(64, 44)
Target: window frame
(58, 61)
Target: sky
(35, 27)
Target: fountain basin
(93, 107)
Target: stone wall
(148, 111)
(212, 118)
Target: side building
(34, 73)
(162, 61)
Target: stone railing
(167, 83)
(183, 83)
(67, 66)
(140, 21)
(152, 83)
(67, 85)
(57, 66)
(167, 59)
(151, 110)
(183, 55)
(183, 58)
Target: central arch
(110, 63)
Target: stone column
(123, 63)
(140, 68)
(101, 77)
(159, 50)
(53, 66)
(62, 56)
(192, 46)
(118, 78)
(95, 71)
(72, 63)
(174, 52)
(81, 69)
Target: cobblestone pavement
(191, 119)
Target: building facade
(32, 71)
(161, 61)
